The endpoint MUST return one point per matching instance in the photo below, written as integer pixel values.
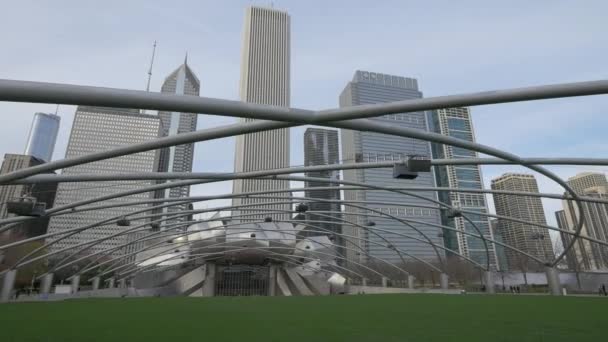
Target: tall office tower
(43, 135)
(368, 88)
(528, 238)
(265, 75)
(321, 148)
(98, 129)
(457, 123)
(587, 255)
(42, 193)
(179, 158)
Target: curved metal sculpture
(350, 118)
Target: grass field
(375, 318)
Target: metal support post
(95, 283)
(75, 283)
(489, 282)
(46, 284)
(7, 285)
(444, 280)
(555, 287)
(384, 282)
(209, 284)
(272, 280)
(410, 281)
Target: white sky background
(449, 46)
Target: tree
(26, 273)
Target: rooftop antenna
(151, 64)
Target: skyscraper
(43, 192)
(182, 81)
(97, 129)
(265, 79)
(321, 148)
(586, 180)
(587, 255)
(43, 135)
(457, 123)
(528, 238)
(368, 88)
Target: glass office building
(43, 135)
(360, 146)
(457, 123)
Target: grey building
(531, 239)
(587, 180)
(43, 135)
(265, 79)
(457, 123)
(182, 81)
(360, 146)
(586, 255)
(97, 129)
(321, 147)
(42, 193)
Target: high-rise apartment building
(586, 255)
(42, 193)
(43, 135)
(182, 81)
(265, 77)
(587, 180)
(360, 146)
(531, 239)
(457, 123)
(97, 129)
(321, 147)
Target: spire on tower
(151, 64)
(186, 59)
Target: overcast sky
(449, 46)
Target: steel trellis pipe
(59, 178)
(22, 91)
(395, 203)
(138, 229)
(480, 148)
(386, 231)
(223, 177)
(86, 268)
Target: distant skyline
(449, 47)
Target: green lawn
(374, 318)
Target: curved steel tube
(350, 113)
